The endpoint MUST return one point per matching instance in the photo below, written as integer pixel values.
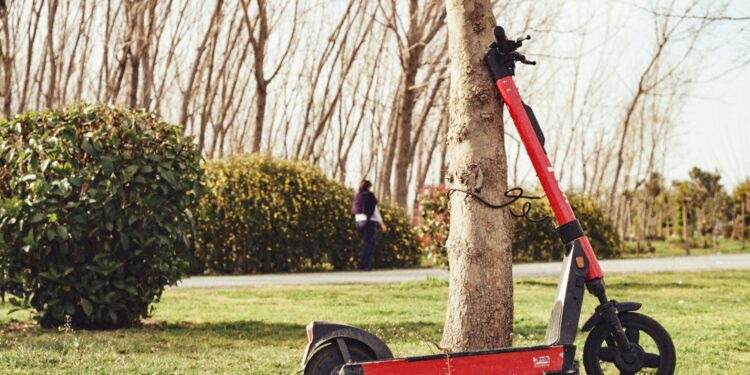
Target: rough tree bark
(480, 302)
(685, 237)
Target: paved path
(692, 263)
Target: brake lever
(522, 59)
(523, 38)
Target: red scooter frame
(521, 115)
(615, 328)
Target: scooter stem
(502, 66)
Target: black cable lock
(525, 209)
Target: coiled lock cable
(513, 195)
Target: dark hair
(364, 185)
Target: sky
(713, 129)
(713, 132)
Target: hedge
(261, 214)
(94, 216)
(531, 241)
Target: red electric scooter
(620, 340)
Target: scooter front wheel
(652, 353)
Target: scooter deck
(535, 360)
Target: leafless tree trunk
(480, 298)
(51, 53)
(425, 21)
(7, 57)
(193, 76)
(259, 31)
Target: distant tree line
(695, 212)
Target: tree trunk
(685, 226)
(50, 94)
(403, 132)
(386, 165)
(7, 57)
(260, 114)
(742, 220)
(480, 299)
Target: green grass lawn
(668, 249)
(261, 330)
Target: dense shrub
(531, 241)
(260, 214)
(93, 212)
(540, 241)
(433, 222)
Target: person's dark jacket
(364, 203)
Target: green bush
(433, 222)
(260, 214)
(94, 216)
(531, 241)
(540, 241)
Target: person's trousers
(367, 231)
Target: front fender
(319, 333)
(620, 306)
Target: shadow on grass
(655, 285)
(622, 284)
(271, 347)
(550, 284)
(197, 338)
(191, 335)
(282, 331)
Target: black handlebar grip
(500, 34)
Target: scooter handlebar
(508, 46)
(502, 55)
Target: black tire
(600, 347)
(328, 360)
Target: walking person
(367, 217)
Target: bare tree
(425, 20)
(7, 57)
(193, 76)
(260, 29)
(328, 76)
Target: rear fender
(321, 333)
(621, 307)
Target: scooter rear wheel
(329, 360)
(654, 350)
